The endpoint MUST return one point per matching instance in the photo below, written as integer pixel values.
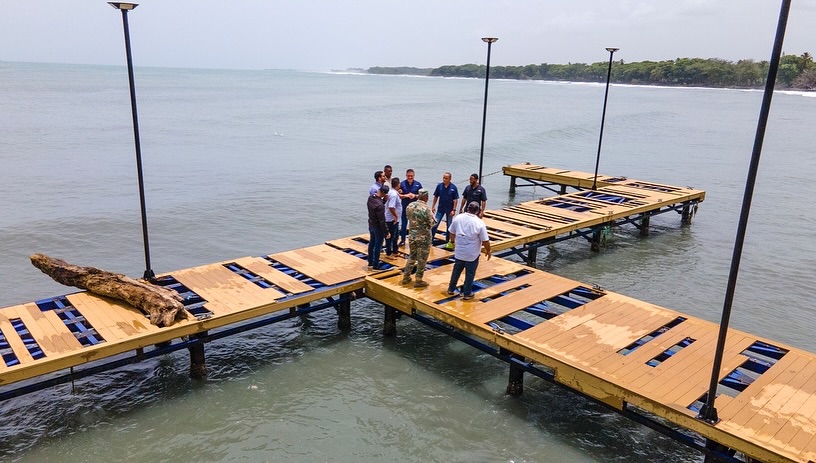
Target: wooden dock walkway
(623, 352)
(603, 345)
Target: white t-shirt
(470, 232)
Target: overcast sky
(336, 34)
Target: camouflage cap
(422, 192)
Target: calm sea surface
(254, 162)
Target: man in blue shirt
(447, 195)
(409, 193)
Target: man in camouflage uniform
(420, 221)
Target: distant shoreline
(795, 72)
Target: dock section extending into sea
(647, 362)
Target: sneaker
(467, 297)
(449, 246)
(370, 267)
(420, 284)
(401, 244)
(451, 293)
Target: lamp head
(489, 39)
(612, 49)
(123, 5)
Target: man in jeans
(376, 227)
(447, 195)
(468, 233)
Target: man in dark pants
(468, 234)
(376, 227)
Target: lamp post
(611, 51)
(124, 8)
(489, 41)
(708, 412)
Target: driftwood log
(163, 306)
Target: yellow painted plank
(16, 344)
(539, 291)
(771, 409)
(628, 368)
(119, 318)
(51, 335)
(696, 377)
(262, 268)
(323, 263)
(619, 334)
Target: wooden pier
(625, 353)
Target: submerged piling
(198, 366)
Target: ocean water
(254, 162)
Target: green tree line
(795, 71)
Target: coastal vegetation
(795, 71)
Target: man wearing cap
(409, 192)
(468, 234)
(421, 220)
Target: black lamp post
(124, 8)
(489, 41)
(611, 51)
(708, 412)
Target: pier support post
(532, 255)
(597, 234)
(198, 367)
(686, 214)
(717, 447)
(563, 190)
(512, 185)
(515, 382)
(390, 325)
(644, 224)
(344, 313)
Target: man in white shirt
(468, 233)
(393, 211)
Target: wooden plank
(596, 333)
(518, 300)
(745, 406)
(47, 329)
(632, 366)
(224, 290)
(804, 442)
(696, 378)
(15, 343)
(774, 402)
(262, 268)
(793, 407)
(617, 338)
(324, 263)
(110, 317)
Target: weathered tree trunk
(163, 306)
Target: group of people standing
(399, 209)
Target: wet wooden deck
(621, 350)
(601, 344)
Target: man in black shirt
(474, 192)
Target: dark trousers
(375, 239)
(470, 274)
(391, 243)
